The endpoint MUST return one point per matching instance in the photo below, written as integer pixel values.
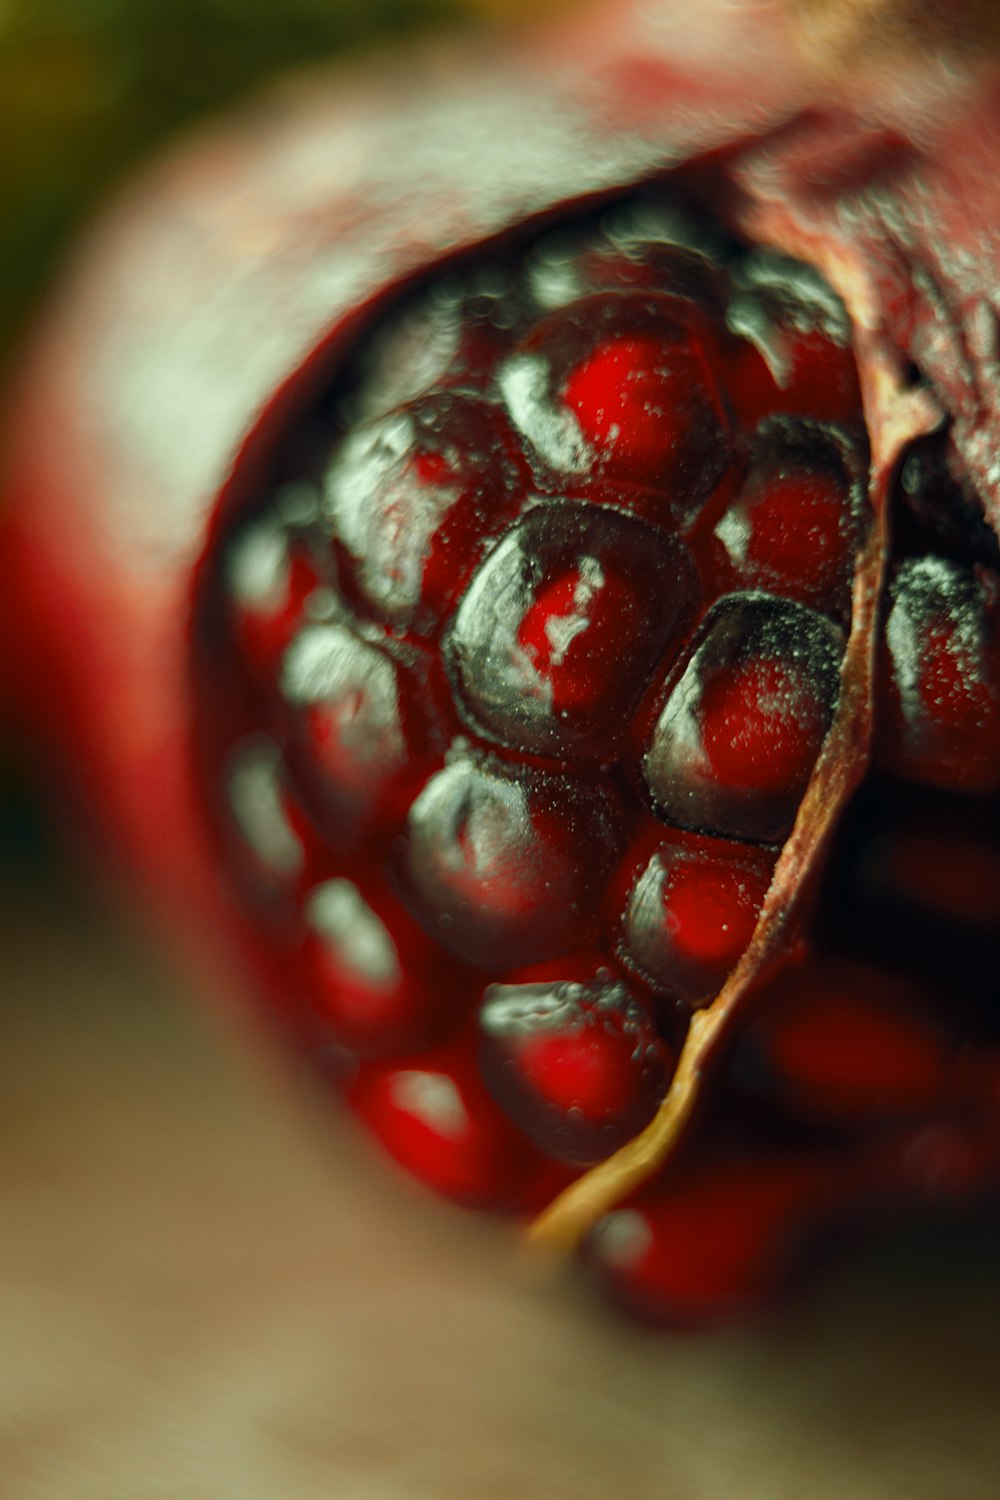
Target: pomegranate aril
(938, 508)
(640, 264)
(910, 887)
(641, 247)
(616, 386)
(354, 728)
(941, 868)
(433, 1114)
(797, 358)
(794, 525)
(412, 498)
(376, 982)
(691, 913)
(940, 664)
(507, 866)
(256, 798)
(714, 1237)
(846, 1044)
(563, 625)
(272, 578)
(579, 1066)
(451, 337)
(736, 741)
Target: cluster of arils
(513, 673)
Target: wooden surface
(208, 1292)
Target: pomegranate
(512, 562)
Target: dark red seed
(350, 707)
(433, 1114)
(797, 358)
(412, 498)
(738, 736)
(710, 1240)
(691, 913)
(625, 398)
(752, 732)
(257, 801)
(279, 844)
(377, 982)
(846, 1043)
(579, 1066)
(449, 338)
(508, 867)
(508, 740)
(793, 526)
(563, 625)
(941, 675)
(616, 385)
(271, 579)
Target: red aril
(941, 665)
(843, 1043)
(433, 1115)
(711, 1241)
(579, 1064)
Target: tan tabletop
(205, 1295)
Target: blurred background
(202, 1296)
(88, 89)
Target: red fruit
(842, 1043)
(794, 525)
(468, 556)
(504, 869)
(579, 1065)
(941, 663)
(801, 359)
(736, 741)
(268, 844)
(435, 1118)
(691, 912)
(379, 985)
(716, 1237)
(409, 495)
(273, 583)
(355, 728)
(616, 385)
(470, 719)
(564, 625)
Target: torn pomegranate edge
(894, 415)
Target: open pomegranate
(514, 561)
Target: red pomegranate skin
(202, 312)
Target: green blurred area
(88, 87)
